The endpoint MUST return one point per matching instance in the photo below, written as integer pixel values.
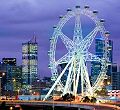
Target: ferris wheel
(77, 54)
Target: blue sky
(19, 19)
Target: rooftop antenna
(34, 37)
(33, 40)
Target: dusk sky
(19, 19)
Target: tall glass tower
(99, 51)
(29, 63)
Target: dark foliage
(86, 99)
(89, 100)
(68, 97)
(93, 100)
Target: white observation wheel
(77, 53)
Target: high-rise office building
(2, 78)
(12, 81)
(115, 78)
(99, 51)
(29, 63)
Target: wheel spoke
(77, 30)
(64, 59)
(69, 80)
(85, 77)
(87, 41)
(67, 41)
(91, 57)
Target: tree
(68, 97)
(86, 99)
(93, 100)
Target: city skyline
(20, 19)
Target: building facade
(115, 78)
(29, 63)
(11, 82)
(99, 51)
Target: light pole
(18, 91)
(30, 91)
(38, 88)
(13, 86)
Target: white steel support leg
(74, 76)
(82, 80)
(77, 80)
(67, 85)
(58, 79)
(71, 82)
(86, 79)
(89, 88)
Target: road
(91, 106)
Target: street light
(39, 88)
(34, 93)
(14, 84)
(11, 108)
(30, 91)
(3, 74)
(18, 91)
(14, 80)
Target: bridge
(55, 104)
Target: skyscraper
(99, 51)
(115, 78)
(11, 82)
(14, 79)
(29, 63)
(8, 64)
